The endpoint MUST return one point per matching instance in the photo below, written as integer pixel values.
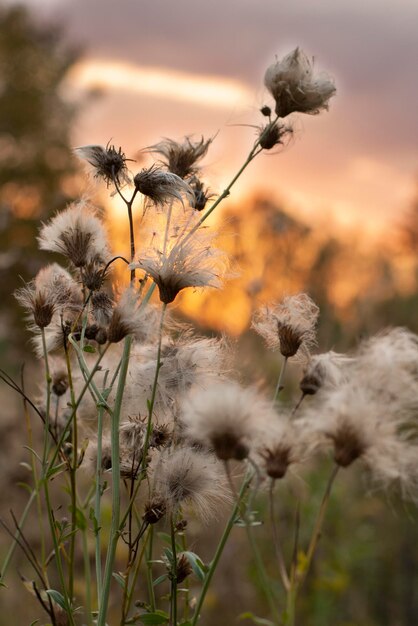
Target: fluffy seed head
(181, 158)
(289, 326)
(108, 163)
(184, 477)
(272, 134)
(200, 192)
(329, 369)
(189, 261)
(102, 307)
(225, 418)
(295, 87)
(77, 233)
(161, 187)
(365, 421)
(129, 319)
(282, 444)
(39, 303)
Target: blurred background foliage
(367, 573)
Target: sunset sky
(189, 67)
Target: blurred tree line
(35, 153)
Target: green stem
(173, 594)
(219, 550)
(87, 571)
(253, 153)
(97, 500)
(12, 548)
(70, 419)
(114, 529)
(280, 380)
(150, 583)
(277, 545)
(57, 552)
(73, 480)
(266, 586)
(318, 524)
(48, 398)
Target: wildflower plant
(140, 411)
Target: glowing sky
(175, 68)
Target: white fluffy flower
(364, 419)
(329, 369)
(226, 417)
(183, 477)
(161, 187)
(77, 233)
(295, 87)
(289, 326)
(187, 260)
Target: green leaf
(197, 565)
(57, 469)
(35, 622)
(57, 597)
(159, 580)
(119, 579)
(89, 349)
(168, 553)
(159, 617)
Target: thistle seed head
(108, 163)
(296, 88)
(181, 158)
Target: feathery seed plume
(295, 87)
(128, 318)
(289, 326)
(108, 163)
(187, 261)
(330, 369)
(181, 158)
(77, 233)
(184, 477)
(161, 187)
(283, 444)
(225, 418)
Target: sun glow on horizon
(208, 91)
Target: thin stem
(318, 524)
(253, 153)
(12, 548)
(67, 598)
(77, 404)
(87, 571)
(150, 582)
(279, 553)
(114, 528)
(48, 397)
(279, 385)
(265, 583)
(73, 479)
(298, 403)
(97, 499)
(173, 594)
(151, 402)
(219, 550)
(187, 582)
(35, 477)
